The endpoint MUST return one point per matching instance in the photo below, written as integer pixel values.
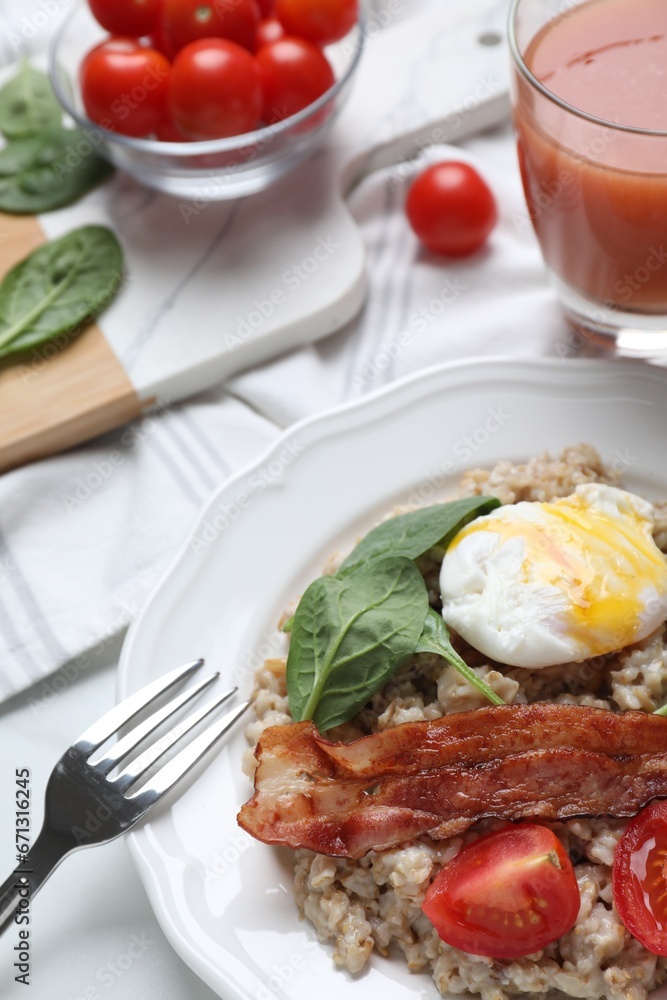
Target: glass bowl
(218, 169)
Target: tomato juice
(593, 150)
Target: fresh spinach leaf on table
(350, 635)
(58, 288)
(28, 104)
(44, 166)
(43, 172)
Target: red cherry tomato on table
(294, 73)
(506, 895)
(319, 21)
(186, 21)
(125, 86)
(215, 90)
(451, 209)
(133, 18)
(270, 30)
(640, 878)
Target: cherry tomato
(270, 30)
(167, 132)
(158, 36)
(640, 878)
(506, 895)
(451, 209)
(294, 73)
(319, 21)
(215, 90)
(133, 18)
(186, 21)
(125, 86)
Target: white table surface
(93, 932)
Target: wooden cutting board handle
(58, 395)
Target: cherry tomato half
(186, 21)
(639, 878)
(506, 895)
(215, 90)
(294, 73)
(319, 21)
(133, 18)
(270, 30)
(451, 209)
(125, 86)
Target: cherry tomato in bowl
(294, 74)
(186, 21)
(124, 86)
(451, 209)
(270, 30)
(133, 18)
(158, 37)
(215, 90)
(252, 160)
(318, 21)
(167, 132)
(639, 878)
(506, 895)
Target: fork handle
(17, 891)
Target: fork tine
(116, 753)
(175, 769)
(145, 760)
(110, 723)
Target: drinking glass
(596, 193)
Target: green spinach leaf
(413, 534)
(28, 104)
(58, 288)
(435, 639)
(43, 172)
(350, 635)
(334, 664)
(416, 532)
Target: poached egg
(538, 584)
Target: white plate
(225, 901)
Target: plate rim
(501, 369)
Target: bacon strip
(513, 762)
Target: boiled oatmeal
(374, 904)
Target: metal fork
(84, 806)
